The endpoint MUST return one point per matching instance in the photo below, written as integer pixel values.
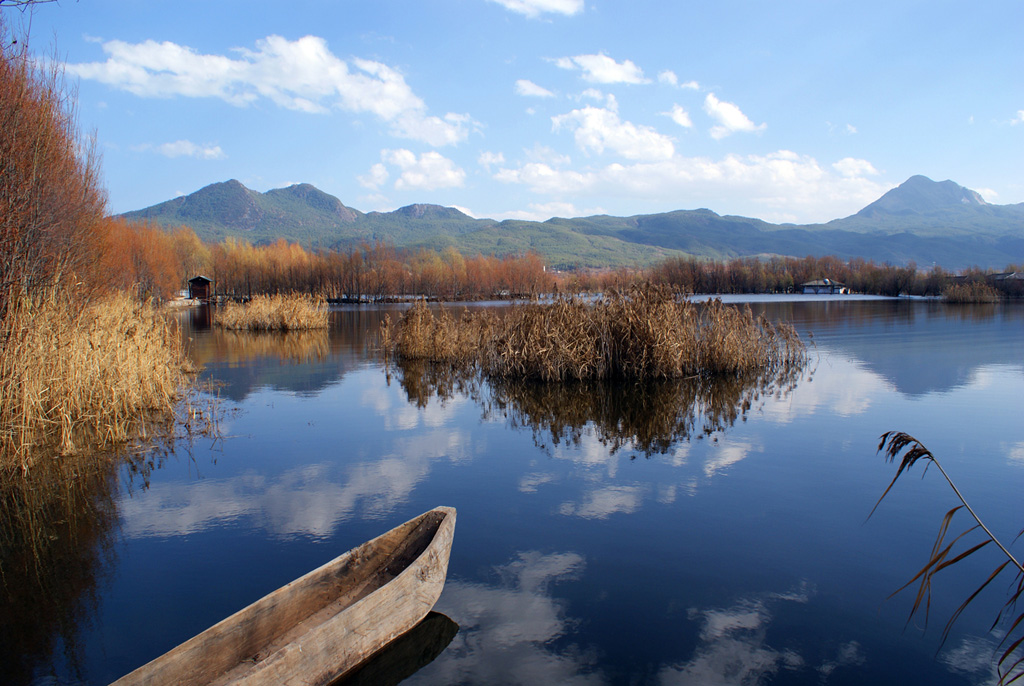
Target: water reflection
(509, 631)
(643, 418)
(56, 542)
(888, 336)
(406, 655)
(311, 500)
(733, 646)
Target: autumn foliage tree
(51, 200)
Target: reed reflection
(647, 417)
(236, 347)
(57, 526)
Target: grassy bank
(74, 378)
(275, 313)
(645, 333)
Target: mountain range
(921, 221)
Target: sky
(795, 111)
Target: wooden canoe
(324, 624)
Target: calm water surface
(613, 535)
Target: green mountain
(921, 220)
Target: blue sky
(797, 111)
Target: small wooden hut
(200, 288)
(827, 286)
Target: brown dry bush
(51, 201)
(643, 333)
(75, 379)
(275, 313)
(970, 293)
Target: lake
(655, 534)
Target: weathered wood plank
(316, 628)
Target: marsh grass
(970, 293)
(644, 333)
(76, 378)
(275, 313)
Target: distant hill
(929, 208)
(921, 220)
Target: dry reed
(275, 313)
(643, 333)
(970, 293)
(74, 378)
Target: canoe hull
(324, 624)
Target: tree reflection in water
(56, 534)
(645, 417)
(58, 526)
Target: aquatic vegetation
(275, 313)
(896, 444)
(644, 333)
(971, 292)
(76, 377)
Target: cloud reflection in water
(507, 630)
(310, 500)
(734, 649)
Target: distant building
(824, 286)
(199, 287)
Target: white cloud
(603, 69)
(988, 194)
(539, 212)
(780, 186)
(591, 94)
(185, 148)
(489, 159)
(535, 8)
(851, 166)
(1019, 119)
(530, 89)
(542, 153)
(850, 129)
(302, 75)
(680, 116)
(375, 178)
(429, 171)
(729, 117)
(597, 128)
(669, 77)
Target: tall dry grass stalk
(75, 378)
(643, 333)
(275, 313)
(970, 293)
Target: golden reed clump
(75, 378)
(644, 333)
(275, 313)
(970, 293)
